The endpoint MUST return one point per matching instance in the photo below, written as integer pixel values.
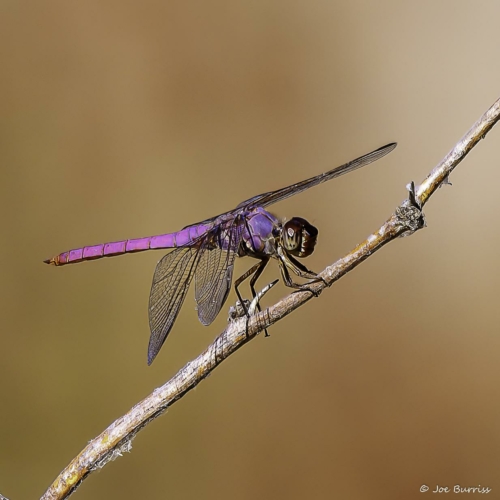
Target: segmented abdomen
(185, 237)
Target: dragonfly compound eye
(299, 237)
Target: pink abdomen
(186, 236)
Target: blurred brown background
(126, 119)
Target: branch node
(124, 446)
(446, 182)
(409, 214)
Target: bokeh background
(124, 119)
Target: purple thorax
(259, 233)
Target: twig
(407, 218)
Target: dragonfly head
(299, 237)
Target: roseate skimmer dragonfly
(206, 251)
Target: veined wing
(214, 271)
(175, 271)
(265, 199)
(211, 260)
(173, 275)
(270, 197)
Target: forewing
(214, 271)
(171, 280)
(270, 197)
(266, 199)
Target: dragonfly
(206, 251)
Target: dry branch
(407, 218)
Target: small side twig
(407, 218)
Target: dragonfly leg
(289, 281)
(256, 271)
(300, 270)
(255, 277)
(248, 273)
(239, 281)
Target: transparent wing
(171, 280)
(215, 271)
(265, 199)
